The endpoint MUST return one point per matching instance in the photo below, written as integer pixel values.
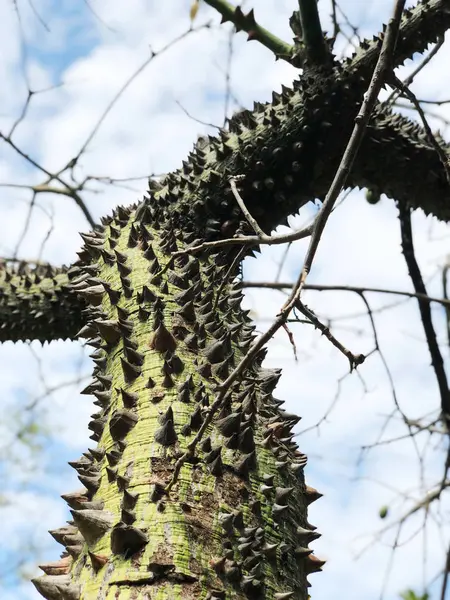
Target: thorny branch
(255, 31)
(431, 138)
(379, 75)
(380, 71)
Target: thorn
(312, 495)
(121, 423)
(93, 524)
(130, 372)
(127, 540)
(98, 561)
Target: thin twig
(384, 64)
(345, 288)
(199, 121)
(423, 63)
(249, 240)
(231, 37)
(53, 176)
(130, 80)
(354, 359)
(257, 229)
(445, 269)
(431, 138)
(291, 341)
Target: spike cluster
(288, 150)
(412, 152)
(234, 523)
(35, 304)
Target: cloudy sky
(82, 53)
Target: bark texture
(165, 335)
(37, 304)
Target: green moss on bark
(228, 526)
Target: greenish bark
(166, 335)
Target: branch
(289, 150)
(248, 23)
(354, 359)
(446, 572)
(396, 159)
(391, 99)
(316, 49)
(74, 190)
(382, 68)
(37, 304)
(430, 136)
(67, 189)
(346, 288)
(425, 312)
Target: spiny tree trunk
(164, 340)
(189, 494)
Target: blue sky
(148, 132)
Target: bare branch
(128, 82)
(346, 288)
(382, 68)
(423, 63)
(354, 359)
(257, 229)
(425, 313)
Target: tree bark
(228, 522)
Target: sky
(81, 54)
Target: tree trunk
(176, 504)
